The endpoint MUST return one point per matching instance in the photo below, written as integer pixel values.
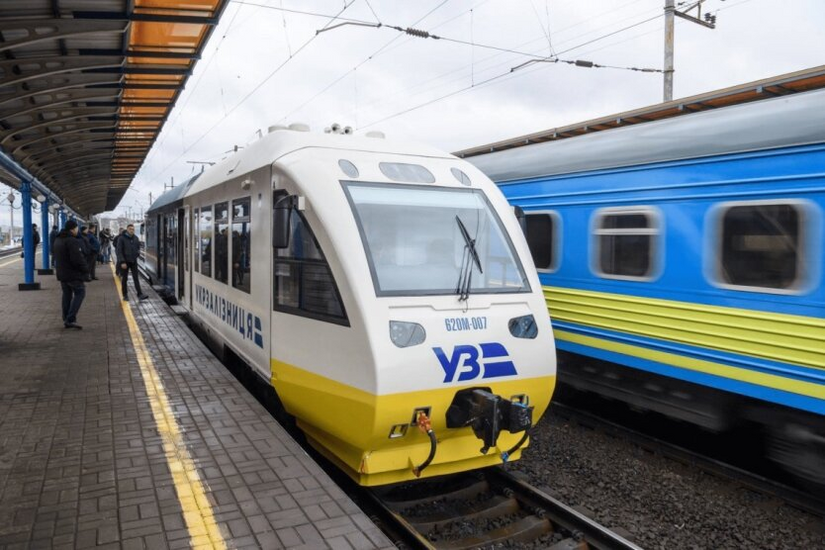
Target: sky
(267, 64)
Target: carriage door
(181, 253)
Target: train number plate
(463, 324)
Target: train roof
(794, 119)
(283, 141)
(173, 195)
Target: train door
(182, 267)
(162, 250)
(159, 247)
(171, 251)
(189, 259)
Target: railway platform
(129, 434)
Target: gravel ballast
(659, 502)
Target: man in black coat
(71, 272)
(52, 236)
(128, 252)
(120, 232)
(35, 238)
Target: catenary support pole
(670, 8)
(28, 239)
(45, 243)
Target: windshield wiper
(465, 276)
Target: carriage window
(205, 238)
(241, 235)
(171, 244)
(626, 243)
(303, 281)
(760, 245)
(196, 260)
(221, 241)
(542, 234)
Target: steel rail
(594, 534)
(10, 252)
(491, 493)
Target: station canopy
(86, 86)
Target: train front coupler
(488, 414)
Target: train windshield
(415, 245)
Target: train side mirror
(284, 204)
(521, 217)
(280, 221)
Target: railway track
(489, 508)
(796, 498)
(10, 252)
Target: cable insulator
(417, 32)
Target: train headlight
(523, 327)
(405, 334)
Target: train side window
(241, 235)
(543, 235)
(303, 280)
(759, 245)
(205, 238)
(626, 243)
(221, 240)
(196, 244)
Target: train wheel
(799, 450)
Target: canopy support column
(28, 239)
(45, 246)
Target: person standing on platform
(71, 272)
(128, 252)
(52, 236)
(87, 248)
(114, 242)
(35, 238)
(94, 252)
(104, 246)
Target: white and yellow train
(380, 287)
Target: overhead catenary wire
(452, 76)
(356, 67)
(534, 57)
(503, 76)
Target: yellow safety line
(200, 520)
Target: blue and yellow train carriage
(682, 262)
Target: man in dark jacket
(128, 252)
(35, 238)
(120, 232)
(52, 236)
(71, 272)
(94, 251)
(83, 237)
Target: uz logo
(496, 362)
